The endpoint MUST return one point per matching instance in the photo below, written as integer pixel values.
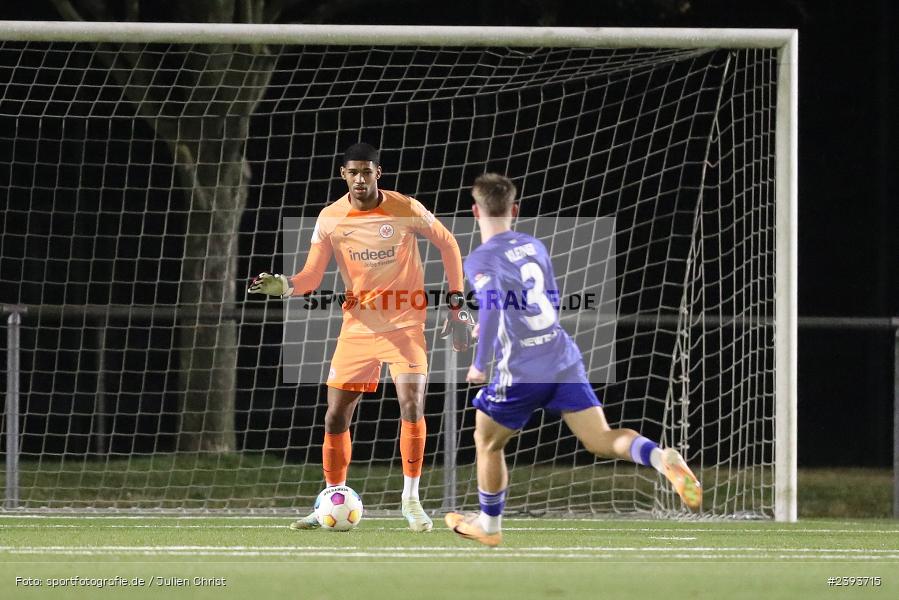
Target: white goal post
(720, 299)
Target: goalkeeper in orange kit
(372, 235)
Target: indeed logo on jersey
(369, 254)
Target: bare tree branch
(66, 10)
(275, 8)
(218, 11)
(252, 11)
(257, 71)
(324, 12)
(134, 76)
(132, 10)
(243, 12)
(98, 10)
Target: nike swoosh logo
(410, 461)
(346, 233)
(462, 533)
(414, 365)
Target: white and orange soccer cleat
(682, 479)
(467, 527)
(306, 523)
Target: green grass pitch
(259, 558)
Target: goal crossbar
(390, 35)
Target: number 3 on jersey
(536, 296)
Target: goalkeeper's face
(361, 177)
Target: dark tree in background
(204, 120)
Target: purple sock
(641, 448)
(492, 504)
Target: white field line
(728, 528)
(145, 516)
(717, 526)
(518, 553)
(270, 517)
(286, 520)
(104, 526)
(429, 549)
(400, 527)
(713, 526)
(381, 556)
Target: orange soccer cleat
(682, 479)
(467, 527)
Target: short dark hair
(494, 193)
(361, 151)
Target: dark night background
(848, 215)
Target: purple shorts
(513, 405)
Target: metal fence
(17, 313)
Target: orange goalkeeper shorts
(356, 364)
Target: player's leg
(410, 392)
(501, 412)
(589, 425)
(404, 351)
(490, 440)
(582, 411)
(355, 369)
(352, 373)
(337, 448)
(573, 396)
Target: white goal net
(145, 183)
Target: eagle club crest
(386, 231)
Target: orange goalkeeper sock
(336, 454)
(412, 446)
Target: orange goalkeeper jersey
(377, 255)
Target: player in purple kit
(537, 365)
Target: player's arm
(304, 282)
(446, 242)
(458, 322)
(489, 315)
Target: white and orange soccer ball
(338, 508)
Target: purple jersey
(518, 301)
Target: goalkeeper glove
(270, 285)
(459, 324)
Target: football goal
(150, 170)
